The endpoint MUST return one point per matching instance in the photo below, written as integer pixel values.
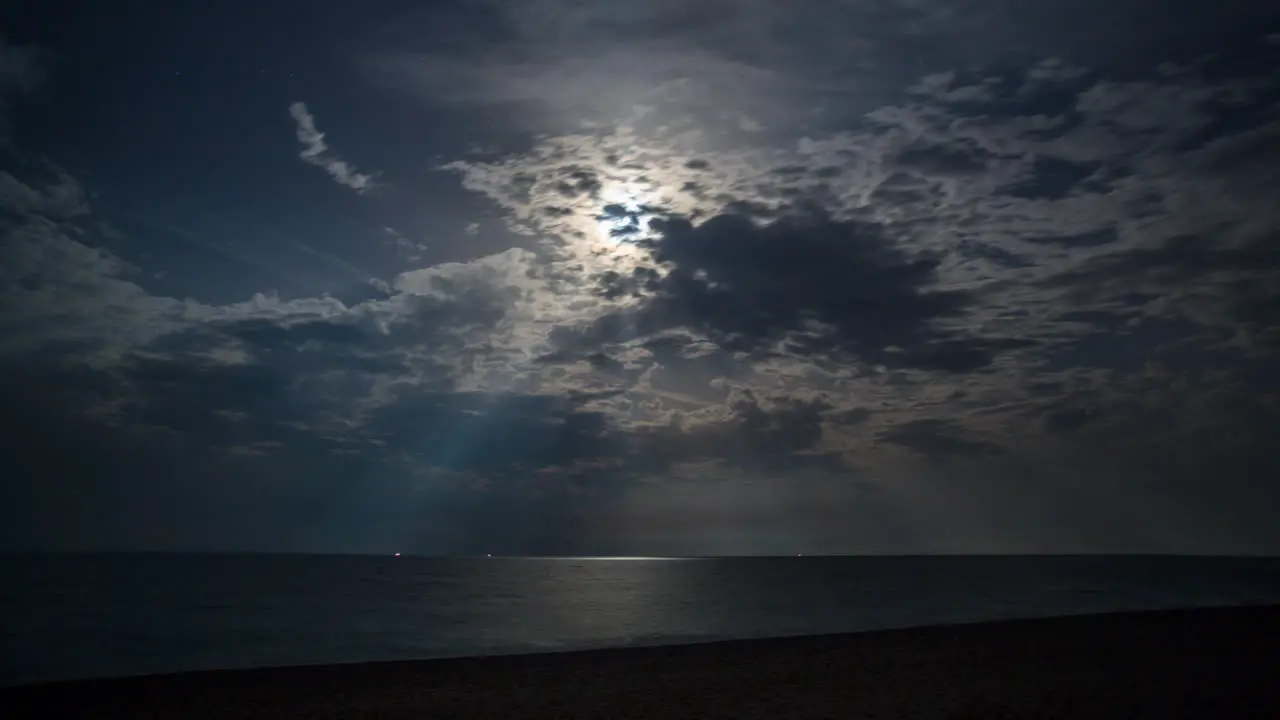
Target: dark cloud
(601, 361)
(959, 157)
(825, 286)
(460, 431)
(195, 450)
(902, 188)
(614, 285)
(748, 433)
(270, 335)
(579, 182)
(1182, 258)
(554, 436)
(937, 438)
(1052, 178)
(189, 397)
(1105, 236)
(791, 427)
(1067, 420)
(1103, 319)
(786, 262)
(1259, 313)
(853, 416)
(1230, 287)
(151, 459)
(978, 249)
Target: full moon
(624, 214)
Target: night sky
(642, 278)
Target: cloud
(63, 292)
(807, 283)
(894, 313)
(58, 197)
(74, 303)
(995, 235)
(316, 152)
(937, 438)
(727, 67)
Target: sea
(80, 616)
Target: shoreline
(1205, 662)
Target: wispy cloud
(316, 152)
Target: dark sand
(1184, 664)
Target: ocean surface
(74, 616)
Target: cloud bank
(997, 307)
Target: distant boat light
(397, 554)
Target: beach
(1203, 663)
